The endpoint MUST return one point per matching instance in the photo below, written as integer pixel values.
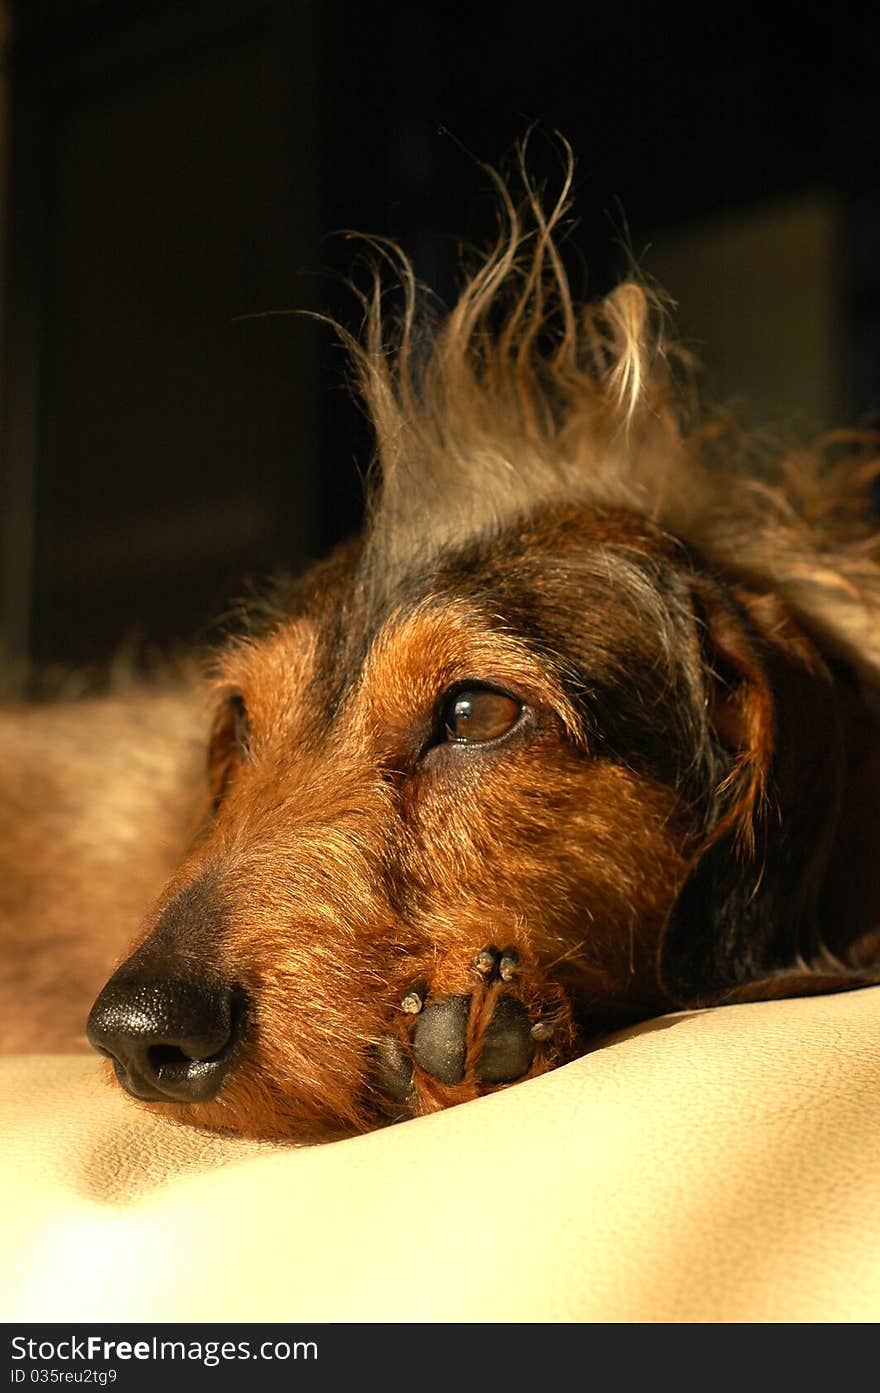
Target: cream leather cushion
(713, 1166)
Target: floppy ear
(748, 910)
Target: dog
(584, 729)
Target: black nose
(170, 1039)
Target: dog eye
(478, 715)
(240, 722)
(229, 745)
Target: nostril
(160, 1056)
(170, 1039)
(164, 1057)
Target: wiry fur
(519, 398)
(685, 810)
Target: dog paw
(451, 1047)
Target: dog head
(551, 698)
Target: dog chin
(252, 1109)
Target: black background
(176, 170)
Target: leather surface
(713, 1166)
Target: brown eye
(473, 717)
(229, 744)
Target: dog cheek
(550, 840)
(309, 1023)
(314, 960)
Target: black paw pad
(508, 1045)
(392, 1069)
(440, 1040)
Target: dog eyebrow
(275, 664)
(420, 651)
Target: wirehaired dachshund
(585, 728)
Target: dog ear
(748, 909)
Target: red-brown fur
(686, 811)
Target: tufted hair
(517, 396)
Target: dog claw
(509, 965)
(486, 960)
(414, 1000)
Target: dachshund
(583, 729)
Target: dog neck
(850, 902)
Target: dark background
(174, 172)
